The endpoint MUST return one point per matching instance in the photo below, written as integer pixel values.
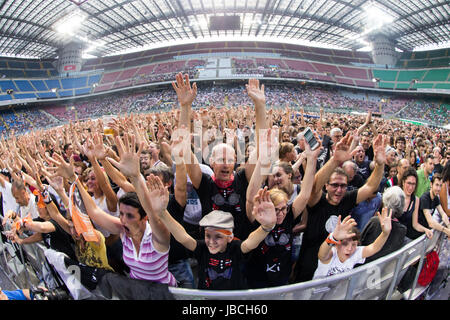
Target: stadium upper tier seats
(333, 99)
(273, 60)
(247, 59)
(424, 59)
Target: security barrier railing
(375, 280)
(27, 267)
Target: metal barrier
(26, 266)
(375, 280)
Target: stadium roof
(38, 28)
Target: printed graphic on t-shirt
(278, 237)
(337, 270)
(218, 269)
(226, 196)
(331, 224)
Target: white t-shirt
(294, 194)
(30, 208)
(101, 203)
(120, 193)
(335, 266)
(9, 202)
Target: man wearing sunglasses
(325, 207)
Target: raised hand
(88, 149)
(264, 210)
(311, 154)
(342, 152)
(185, 93)
(379, 149)
(385, 220)
(344, 230)
(129, 163)
(61, 167)
(268, 146)
(255, 92)
(158, 194)
(180, 147)
(98, 148)
(56, 183)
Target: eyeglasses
(338, 185)
(278, 210)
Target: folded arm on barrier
(435, 224)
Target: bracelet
(265, 230)
(332, 241)
(46, 196)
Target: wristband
(331, 241)
(46, 197)
(265, 230)
(19, 224)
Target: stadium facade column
(383, 50)
(70, 58)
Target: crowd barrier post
(398, 268)
(419, 268)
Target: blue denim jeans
(182, 272)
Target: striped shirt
(150, 264)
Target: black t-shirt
(427, 203)
(394, 242)
(58, 240)
(369, 153)
(322, 219)
(270, 264)
(231, 199)
(406, 219)
(438, 168)
(364, 169)
(327, 144)
(220, 271)
(356, 183)
(177, 250)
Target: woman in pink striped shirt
(144, 237)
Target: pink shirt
(149, 264)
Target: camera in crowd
(55, 294)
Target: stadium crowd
(309, 97)
(223, 198)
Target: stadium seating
(424, 59)
(36, 79)
(413, 79)
(15, 68)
